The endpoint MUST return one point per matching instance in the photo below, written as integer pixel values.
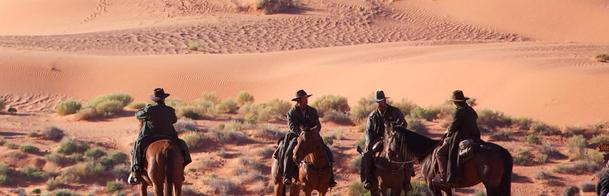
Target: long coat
(377, 120)
(464, 126)
(158, 120)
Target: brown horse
(391, 178)
(278, 181)
(314, 168)
(491, 164)
(164, 165)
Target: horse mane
(416, 144)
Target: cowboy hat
(300, 94)
(159, 94)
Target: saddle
(468, 148)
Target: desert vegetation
(604, 58)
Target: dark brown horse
(390, 175)
(491, 164)
(164, 168)
(315, 170)
(278, 181)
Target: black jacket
(158, 120)
(375, 129)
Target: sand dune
(558, 83)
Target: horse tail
(506, 180)
(168, 174)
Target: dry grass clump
(491, 120)
(604, 58)
(227, 106)
(228, 136)
(578, 167)
(501, 135)
(268, 131)
(362, 109)
(28, 148)
(328, 103)
(67, 107)
(577, 147)
(271, 111)
(264, 153)
(545, 129)
(428, 113)
(223, 186)
(524, 156)
(357, 189)
(244, 98)
(70, 146)
(532, 139)
(275, 6)
(105, 106)
(2, 104)
(52, 133)
(185, 125)
(194, 140)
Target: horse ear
(359, 149)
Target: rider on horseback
(463, 127)
(158, 120)
(301, 117)
(384, 117)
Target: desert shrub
(428, 113)
(362, 109)
(95, 153)
(184, 125)
(5, 173)
(419, 188)
(109, 108)
(114, 158)
(36, 191)
(244, 98)
(136, 105)
(502, 135)
(595, 156)
(2, 104)
(114, 186)
(361, 143)
(406, 106)
(598, 140)
(234, 126)
(357, 189)
(58, 159)
(174, 103)
(532, 139)
(577, 147)
(275, 6)
(229, 106)
(544, 175)
(587, 187)
(479, 193)
(55, 183)
(337, 117)
(578, 167)
(329, 140)
(269, 132)
(265, 153)
(417, 125)
(552, 152)
(251, 163)
(67, 107)
(69, 146)
(604, 58)
(261, 188)
(222, 186)
(492, 119)
(64, 192)
(572, 191)
(522, 123)
(83, 171)
(105, 106)
(542, 128)
(228, 137)
(251, 176)
(123, 98)
(33, 174)
(11, 145)
(190, 112)
(193, 45)
(523, 156)
(194, 140)
(208, 97)
(274, 110)
(52, 133)
(28, 148)
(328, 103)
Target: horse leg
(449, 192)
(177, 188)
(294, 189)
(158, 189)
(143, 189)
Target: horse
(392, 177)
(279, 187)
(314, 168)
(491, 164)
(164, 168)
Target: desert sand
(527, 59)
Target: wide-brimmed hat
(380, 96)
(458, 96)
(159, 94)
(300, 94)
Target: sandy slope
(554, 82)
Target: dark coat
(377, 121)
(158, 120)
(303, 119)
(464, 126)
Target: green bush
(360, 143)
(604, 58)
(83, 172)
(362, 109)
(58, 159)
(33, 174)
(5, 172)
(428, 114)
(36, 191)
(274, 110)
(109, 108)
(113, 159)
(67, 107)
(492, 119)
(551, 152)
(233, 126)
(329, 103)
(271, 7)
(244, 98)
(572, 191)
(28, 148)
(229, 106)
(114, 186)
(105, 106)
(64, 192)
(123, 98)
(577, 147)
(417, 125)
(598, 140)
(95, 153)
(532, 139)
(69, 146)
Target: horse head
(307, 142)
